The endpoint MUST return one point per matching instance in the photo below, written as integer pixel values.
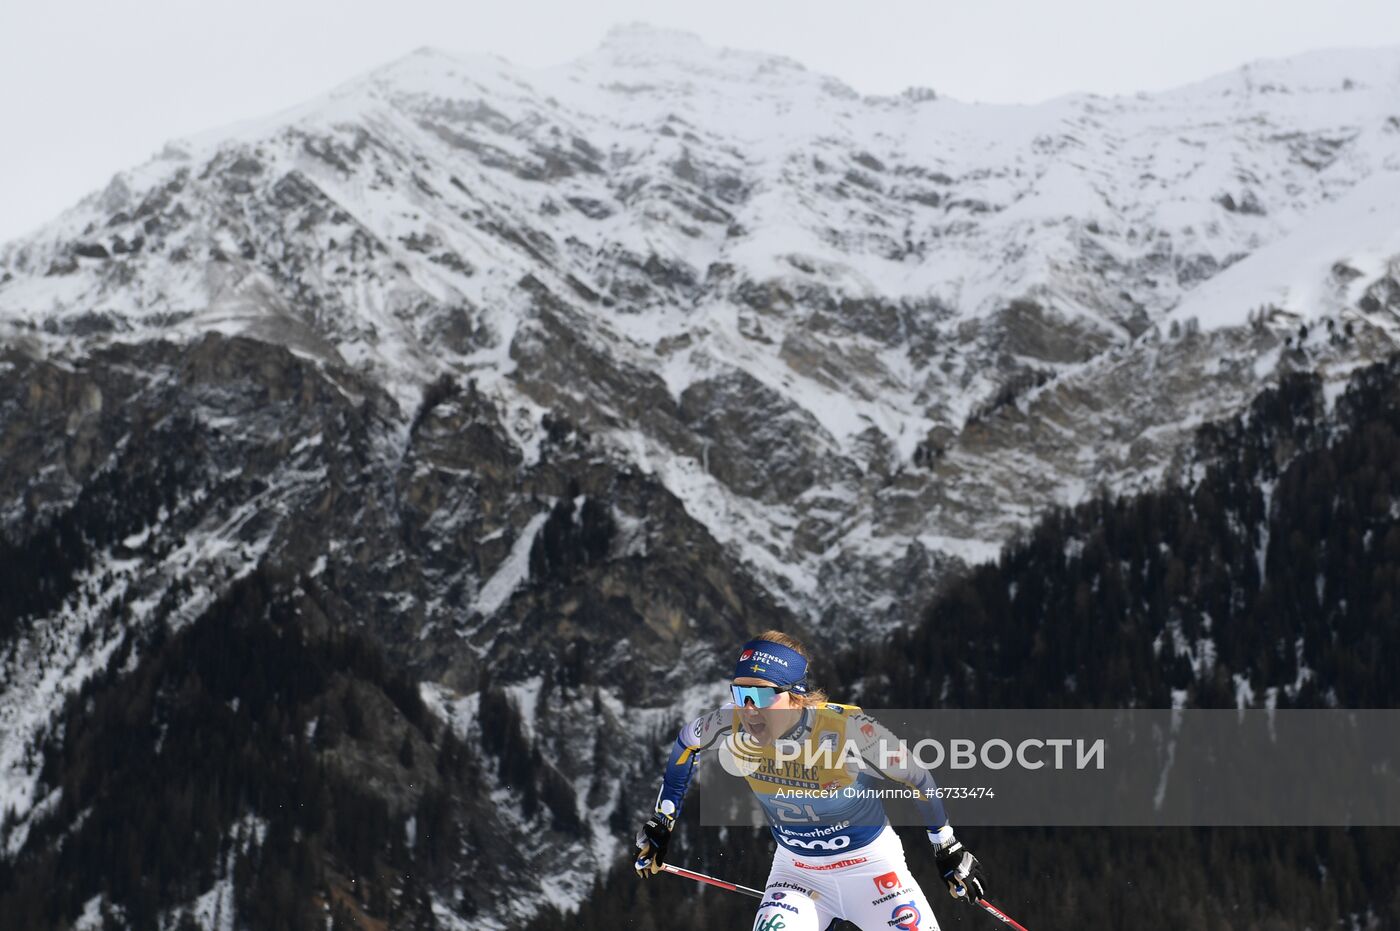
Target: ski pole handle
(702, 878)
(1000, 915)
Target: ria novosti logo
(959, 753)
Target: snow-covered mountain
(787, 299)
(830, 347)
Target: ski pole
(1000, 915)
(702, 878)
(735, 887)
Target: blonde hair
(812, 698)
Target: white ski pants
(870, 886)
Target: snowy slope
(1324, 268)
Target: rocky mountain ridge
(666, 241)
(573, 377)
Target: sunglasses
(761, 695)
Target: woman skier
(837, 855)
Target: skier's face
(771, 720)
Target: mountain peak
(645, 36)
(641, 45)
(1330, 70)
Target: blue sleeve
(679, 768)
(900, 767)
(698, 735)
(930, 806)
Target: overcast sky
(88, 87)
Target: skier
(837, 855)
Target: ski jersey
(818, 804)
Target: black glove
(959, 869)
(651, 843)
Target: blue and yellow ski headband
(764, 659)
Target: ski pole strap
(1000, 915)
(702, 878)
